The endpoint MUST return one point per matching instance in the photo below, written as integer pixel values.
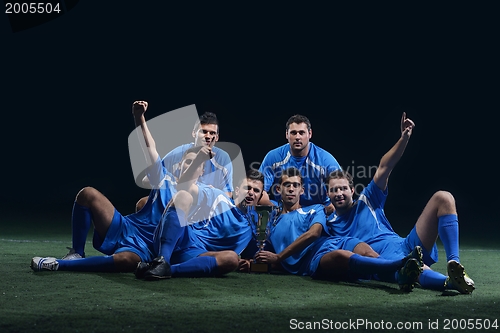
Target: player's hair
(291, 172)
(341, 174)
(208, 118)
(298, 119)
(253, 174)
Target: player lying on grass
(125, 240)
(302, 246)
(205, 236)
(365, 219)
(136, 244)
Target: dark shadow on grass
(368, 284)
(238, 302)
(247, 314)
(448, 293)
(129, 279)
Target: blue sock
(81, 220)
(367, 265)
(197, 267)
(91, 264)
(430, 279)
(448, 233)
(170, 232)
(391, 277)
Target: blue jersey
(217, 222)
(217, 171)
(288, 227)
(135, 232)
(163, 183)
(315, 168)
(367, 222)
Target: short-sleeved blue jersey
(137, 230)
(217, 222)
(217, 171)
(163, 183)
(315, 168)
(288, 227)
(366, 220)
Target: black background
(68, 85)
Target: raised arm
(138, 110)
(192, 170)
(391, 158)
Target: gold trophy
(261, 229)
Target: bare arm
(264, 199)
(298, 245)
(187, 180)
(138, 110)
(392, 157)
(329, 209)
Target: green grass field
(89, 302)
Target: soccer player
(302, 246)
(125, 240)
(217, 171)
(365, 219)
(314, 163)
(205, 235)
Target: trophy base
(256, 267)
